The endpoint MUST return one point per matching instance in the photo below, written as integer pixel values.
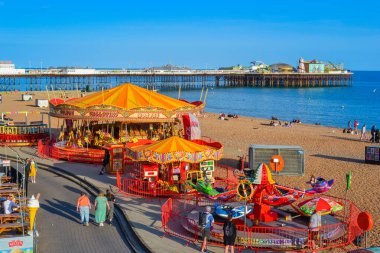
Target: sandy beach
(329, 152)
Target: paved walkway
(145, 216)
(59, 224)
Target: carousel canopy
(126, 101)
(175, 149)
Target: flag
(348, 177)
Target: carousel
(169, 167)
(23, 128)
(112, 118)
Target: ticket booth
(150, 171)
(207, 167)
(116, 163)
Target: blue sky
(197, 34)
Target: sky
(196, 34)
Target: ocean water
(325, 106)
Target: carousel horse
(71, 139)
(61, 136)
(96, 141)
(80, 144)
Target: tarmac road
(58, 223)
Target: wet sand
(329, 152)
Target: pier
(167, 80)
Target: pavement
(144, 215)
(59, 225)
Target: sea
(323, 106)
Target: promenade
(144, 216)
(59, 225)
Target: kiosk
(116, 159)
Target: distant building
(282, 68)
(168, 68)
(237, 67)
(78, 71)
(8, 68)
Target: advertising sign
(17, 244)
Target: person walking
(229, 234)
(349, 128)
(356, 124)
(83, 207)
(111, 201)
(101, 207)
(373, 133)
(106, 161)
(314, 227)
(33, 170)
(206, 219)
(26, 176)
(363, 136)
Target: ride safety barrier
(180, 219)
(84, 155)
(146, 189)
(22, 139)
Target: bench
(13, 217)
(7, 227)
(5, 179)
(7, 192)
(8, 186)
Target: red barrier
(180, 219)
(145, 189)
(22, 139)
(83, 155)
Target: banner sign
(191, 127)
(16, 244)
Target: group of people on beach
(104, 208)
(363, 136)
(223, 116)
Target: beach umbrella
(323, 205)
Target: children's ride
(208, 191)
(320, 185)
(237, 212)
(264, 192)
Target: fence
(180, 219)
(48, 149)
(21, 139)
(146, 189)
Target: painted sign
(16, 244)
(207, 165)
(316, 68)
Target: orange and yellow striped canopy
(175, 149)
(128, 97)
